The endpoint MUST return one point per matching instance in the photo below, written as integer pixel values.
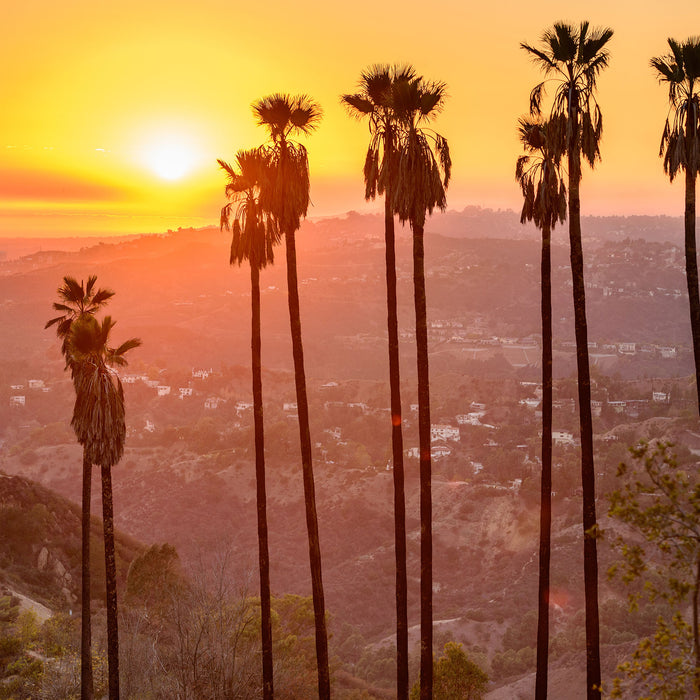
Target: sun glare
(170, 160)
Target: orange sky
(101, 100)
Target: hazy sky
(113, 113)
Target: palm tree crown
(76, 300)
(254, 231)
(374, 100)
(98, 416)
(573, 58)
(680, 142)
(286, 195)
(424, 164)
(538, 172)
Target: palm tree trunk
(324, 684)
(696, 632)
(397, 454)
(691, 272)
(263, 554)
(426, 515)
(590, 551)
(546, 484)
(111, 579)
(86, 685)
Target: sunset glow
(104, 116)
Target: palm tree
(77, 300)
(538, 173)
(99, 424)
(254, 234)
(680, 149)
(422, 175)
(286, 197)
(573, 57)
(374, 101)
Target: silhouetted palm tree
(374, 101)
(99, 424)
(76, 300)
(254, 235)
(680, 148)
(286, 197)
(544, 193)
(574, 57)
(422, 174)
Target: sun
(170, 159)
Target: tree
(99, 424)
(286, 197)
(574, 57)
(456, 677)
(680, 149)
(538, 173)
(661, 502)
(374, 101)
(254, 235)
(76, 301)
(422, 175)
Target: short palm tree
(77, 300)
(99, 424)
(680, 149)
(254, 235)
(285, 196)
(422, 175)
(539, 175)
(374, 102)
(573, 57)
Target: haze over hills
(186, 477)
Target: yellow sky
(101, 100)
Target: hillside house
(439, 451)
(444, 432)
(212, 402)
(563, 438)
(163, 390)
(185, 391)
(17, 401)
(36, 383)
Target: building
(444, 432)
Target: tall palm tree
(254, 235)
(680, 149)
(544, 193)
(99, 424)
(573, 58)
(286, 197)
(77, 300)
(422, 174)
(374, 101)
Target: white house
(444, 432)
(163, 390)
(36, 383)
(562, 437)
(185, 391)
(438, 451)
(17, 400)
